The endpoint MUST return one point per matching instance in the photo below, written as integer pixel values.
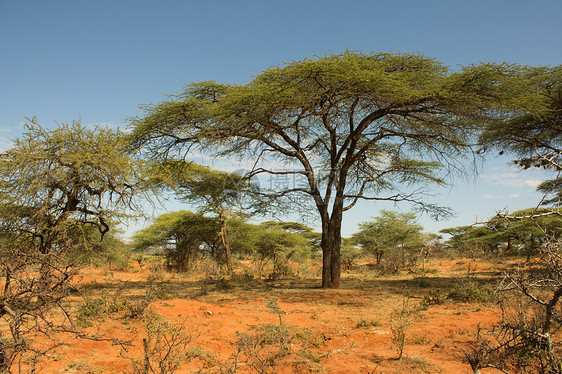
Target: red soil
(352, 323)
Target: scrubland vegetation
(222, 288)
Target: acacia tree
(353, 126)
(527, 337)
(55, 187)
(182, 235)
(390, 231)
(52, 180)
(214, 192)
(516, 233)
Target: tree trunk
(225, 242)
(336, 257)
(331, 246)
(326, 245)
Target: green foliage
(534, 134)
(88, 247)
(220, 194)
(519, 232)
(212, 191)
(396, 236)
(470, 291)
(53, 180)
(350, 253)
(278, 246)
(181, 237)
(184, 237)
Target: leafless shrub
(165, 347)
(401, 319)
(525, 341)
(33, 306)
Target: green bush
(470, 292)
(95, 309)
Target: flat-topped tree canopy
(534, 137)
(353, 126)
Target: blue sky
(98, 60)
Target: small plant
(95, 308)
(422, 282)
(78, 367)
(156, 275)
(470, 292)
(223, 284)
(313, 357)
(417, 364)
(209, 359)
(242, 280)
(165, 347)
(420, 339)
(137, 308)
(140, 260)
(363, 323)
(433, 297)
(261, 350)
(90, 310)
(400, 320)
(275, 308)
(264, 346)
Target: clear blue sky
(98, 60)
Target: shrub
(95, 309)
(400, 321)
(363, 323)
(470, 292)
(165, 347)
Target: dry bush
(34, 306)
(165, 347)
(527, 339)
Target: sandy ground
(334, 331)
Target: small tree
(351, 253)
(397, 235)
(278, 243)
(182, 236)
(215, 192)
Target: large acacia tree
(353, 126)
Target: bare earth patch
(286, 326)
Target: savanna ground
(202, 322)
